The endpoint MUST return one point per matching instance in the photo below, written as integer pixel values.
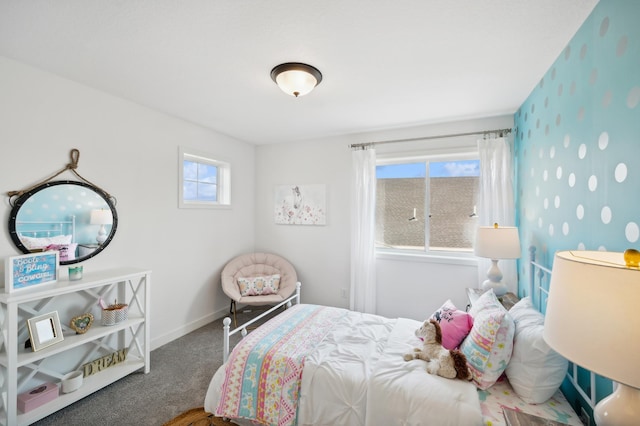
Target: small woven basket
(114, 314)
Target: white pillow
(32, 243)
(489, 345)
(535, 371)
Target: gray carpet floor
(178, 380)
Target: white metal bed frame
(540, 274)
(243, 327)
(56, 227)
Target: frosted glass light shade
(296, 79)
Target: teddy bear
(451, 364)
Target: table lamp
(495, 243)
(101, 217)
(592, 320)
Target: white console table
(21, 369)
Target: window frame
(223, 179)
(440, 256)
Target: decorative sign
(29, 270)
(105, 362)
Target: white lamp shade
(295, 81)
(592, 314)
(500, 242)
(101, 217)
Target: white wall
(411, 288)
(131, 152)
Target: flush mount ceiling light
(296, 79)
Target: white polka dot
(634, 97)
(545, 175)
(545, 203)
(541, 154)
(551, 230)
(605, 215)
(537, 191)
(539, 222)
(572, 180)
(533, 172)
(621, 172)
(582, 151)
(593, 77)
(593, 183)
(558, 119)
(607, 98)
(602, 248)
(552, 152)
(581, 114)
(632, 232)
(567, 141)
(559, 172)
(565, 228)
(580, 212)
(556, 201)
(581, 246)
(604, 26)
(603, 141)
(622, 45)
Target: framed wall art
(45, 330)
(300, 205)
(29, 270)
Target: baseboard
(187, 328)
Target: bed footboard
(242, 328)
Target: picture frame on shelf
(31, 270)
(45, 330)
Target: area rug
(197, 417)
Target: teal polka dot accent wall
(577, 142)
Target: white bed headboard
(539, 280)
(44, 228)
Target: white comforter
(357, 376)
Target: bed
(38, 236)
(307, 366)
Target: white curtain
(496, 200)
(363, 223)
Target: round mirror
(75, 218)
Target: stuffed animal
(451, 364)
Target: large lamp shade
(592, 319)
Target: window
(446, 188)
(204, 181)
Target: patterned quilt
(264, 371)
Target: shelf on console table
(23, 369)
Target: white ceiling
(385, 63)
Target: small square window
(204, 181)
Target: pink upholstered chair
(253, 265)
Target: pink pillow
(454, 323)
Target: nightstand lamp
(101, 217)
(495, 243)
(592, 320)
